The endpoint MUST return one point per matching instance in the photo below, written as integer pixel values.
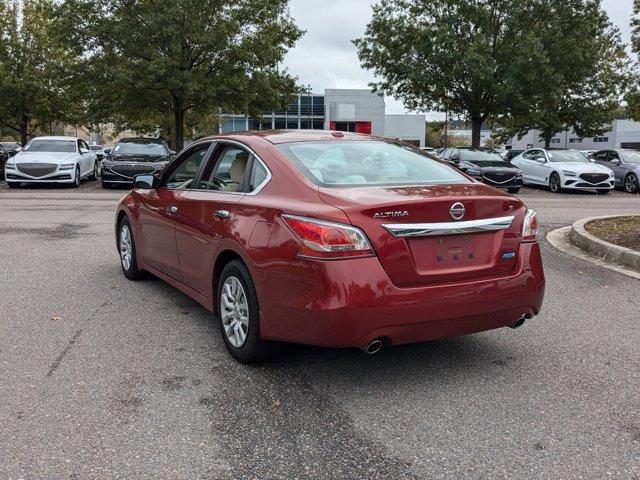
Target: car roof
(290, 136)
(141, 140)
(56, 137)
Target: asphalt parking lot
(104, 378)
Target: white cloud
(325, 57)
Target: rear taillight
(530, 227)
(320, 239)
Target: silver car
(625, 165)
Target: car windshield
(55, 146)
(566, 156)
(361, 163)
(479, 156)
(139, 148)
(631, 156)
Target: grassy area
(623, 231)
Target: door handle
(221, 214)
(172, 209)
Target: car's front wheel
(96, 171)
(555, 184)
(239, 314)
(513, 189)
(631, 183)
(127, 249)
(76, 180)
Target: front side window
(602, 156)
(54, 146)
(362, 163)
(182, 177)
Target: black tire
(131, 270)
(603, 192)
(13, 184)
(554, 183)
(94, 175)
(254, 349)
(631, 183)
(513, 189)
(76, 180)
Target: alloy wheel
(631, 183)
(554, 183)
(234, 311)
(96, 171)
(126, 248)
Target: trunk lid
(438, 258)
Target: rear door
(615, 163)
(207, 213)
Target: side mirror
(615, 161)
(172, 152)
(84, 150)
(18, 149)
(541, 160)
(455, 158)
(107, 151)
(145, 181)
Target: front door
(160, 212)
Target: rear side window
(362, 163)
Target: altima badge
(457, 211)
(402, 213)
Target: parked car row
(69, 160)
(556, 169)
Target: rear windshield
(361, 163)
(57, 146)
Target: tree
(589, 69)
(471, 58)
(633, 93)
(35, 69)
(154, 64)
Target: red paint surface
(401, 294)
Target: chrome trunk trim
(448, 228)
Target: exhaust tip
(520, 321)
(374, 347)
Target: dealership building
(346, 110)
(623, 134)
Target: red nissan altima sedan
(331, 239)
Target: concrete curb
(608, 251)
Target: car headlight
(67, 166)
(569, 173)
(518, 173)
(10, 165)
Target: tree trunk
(476, 127)
(178, 122)
(547, 143)
(24, 131)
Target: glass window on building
(280, 123)
(227, 125)
(318, 124)
(255, 124)
(318, 106)
(306, 124)
(292, 124)
(306, 105)
(292, 109)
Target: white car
(563, 169)
(51, 160)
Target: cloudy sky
(326, 58)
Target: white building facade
(623, 134)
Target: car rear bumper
(349, 303)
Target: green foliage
(36, 69)
(171, 64)
(533, 63)
(633, 93)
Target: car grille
(499, 177)
(37, 170)
(594, 177)
(131, 171)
